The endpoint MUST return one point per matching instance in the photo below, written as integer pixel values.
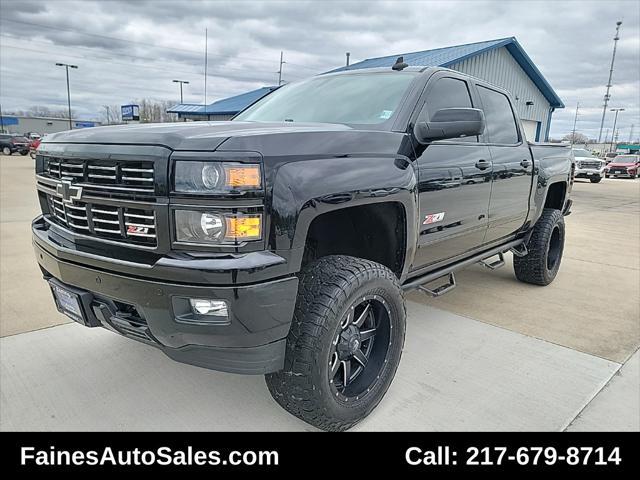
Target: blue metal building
(222, 109)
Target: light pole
(181, 82)
(280, 69)
(106, 107)
(67, 67)
(615, 120)
(607, 96)
(575, 120)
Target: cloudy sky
(129, 50)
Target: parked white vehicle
(588, 166)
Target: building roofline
(513, 47)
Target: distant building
(502, 62)
(223, 109)
(43, 125)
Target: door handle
(525, 163)
(483, 164)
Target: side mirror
(451, 123)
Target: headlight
(216, 177)
(217, 228)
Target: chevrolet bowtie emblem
(68, 192)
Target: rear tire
(335, 294)
(540, 266)
(6, 151)
(595, 179)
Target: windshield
(352, 99)
(577, 152)
(626, 159)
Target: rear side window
(448, 93)
(501, 123)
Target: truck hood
(185, 135)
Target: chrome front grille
(118, 223)
(109, 177)
(590, 164)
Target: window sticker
(386, 114)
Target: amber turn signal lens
(243, 228)
(244, 176)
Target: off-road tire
(327, 289)
(595, 179)
(540, 266)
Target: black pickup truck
(281, 242)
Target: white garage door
(530, 127)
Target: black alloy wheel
(360, 347)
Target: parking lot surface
(495, 354)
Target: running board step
(521, 250)
(495, 264)
(442, 289)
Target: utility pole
(1, 121)
(575, 120)
(348, 55)
(181, 82)
(631, 133)
(606, 95)
(280, 69)
(615, 120)
(106, 107)
(206, 46)
(67, 67)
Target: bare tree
(111, 114)
(576, 138)
(43, 111)
(155, 111)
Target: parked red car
(624, 166)
(34, 146)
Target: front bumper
(589, 172)
(619, 172)
(252, 341)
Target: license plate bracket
(68, 302)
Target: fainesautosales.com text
(145, 457)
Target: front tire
(595, 179)
(540, 266)
(344, 345)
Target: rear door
(454, 180)
(512, 165)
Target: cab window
(447, 92)
(501, 122)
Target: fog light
(201, 306)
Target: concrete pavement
(456, 374)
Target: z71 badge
(433, 218)
(136, 229)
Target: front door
(454, 181)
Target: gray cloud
(128, 50)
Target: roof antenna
(399, 65)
